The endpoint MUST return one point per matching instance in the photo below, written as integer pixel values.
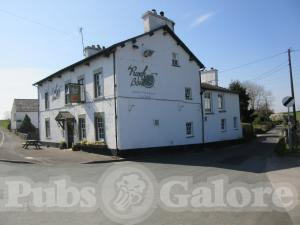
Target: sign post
(289, 102)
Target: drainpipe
(38, 91)
(202, 117)
(115, 99)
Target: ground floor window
(223, 124)
(47, 128)
(99, 126)
(82, 128)
(235, 125)
(189, 129)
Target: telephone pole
(292, 86)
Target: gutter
(202, 116)
(115, 100)
(38, 91)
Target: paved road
(243, 163)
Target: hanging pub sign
(143, 78)
(73, 93)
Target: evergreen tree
(246, 113)
(26, 126)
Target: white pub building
(143, 92)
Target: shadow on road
(250, 157)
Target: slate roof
(26, 105)
(112, 48)
(207, 86)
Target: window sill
(209, 113)
(222, 110)
(175, 65)
(190, 136)
(48, 138)
(223, 131)
(99, 98)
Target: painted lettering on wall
(55, 92)
(144, 78)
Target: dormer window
(175, 61)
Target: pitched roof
(112, 48)
(207, 86)
(26, 105)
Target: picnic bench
(34, 143)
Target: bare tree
(260, 98)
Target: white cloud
(201, 19)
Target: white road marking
(3, 137)
(28, 157)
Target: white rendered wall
(105, 105)
(138, 106)
(212, 121)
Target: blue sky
(39, 37)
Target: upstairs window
(188, 93)
(207, 102)
(223, 124)
(175, 61)
(46, 100)
(98, 84)
(221, 102)
(82, 89)
(67, 94)
(189, 129)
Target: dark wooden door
(70, 130)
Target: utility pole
(292, 86)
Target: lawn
(297, 114)
(4, 123)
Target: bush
(26, 126)
(62, 145)
(247, 130)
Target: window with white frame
(235, 123)
(175, 61)
(99, 126)
(82, 127)
(188, 93)
(98, 83)
(82, 88)
(47, 128)
(189, 129)
(221, 105)
(207, 102)
(46, 100)
(67, 94)
(223, 124)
